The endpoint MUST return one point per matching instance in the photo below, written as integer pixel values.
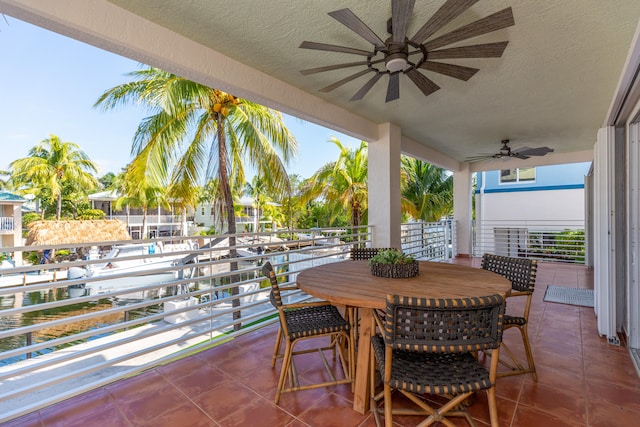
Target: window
(509, 176)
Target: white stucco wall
(548, 205)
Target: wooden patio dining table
(350, 283)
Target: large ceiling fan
(401, 55)
(506, 153)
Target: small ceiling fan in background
(506, 153)
(401, 55)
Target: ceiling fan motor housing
(396, 58)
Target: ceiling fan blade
(486, 50)
(456, 71)
(352, 22)
(345, 80)
(424, 84)
(332, 67)
(478, 158)
(493, 22)
(366, 88)
(401, 11)
(333, 48)
(447, 12)
(540, 151)
(393, 90)
(519, 156)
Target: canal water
(35, 298)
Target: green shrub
(89, 214)
(391, 256)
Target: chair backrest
(457, 325)
(520, 271)
(362, 254)
(274, 295)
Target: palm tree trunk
(183, 219)
(59, 207)
(144, 224)
(231, 216)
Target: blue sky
(49, 83)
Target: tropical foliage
(342, 184)
(54, 168)
(141, 194)
(196, 133)
(427, 190)
(4, 183)
(258, 191)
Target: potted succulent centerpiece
(393, 263)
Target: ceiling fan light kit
(395, 62)
(408, 56)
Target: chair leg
(286, 366)
(352, 357)
(276, 349)
(388, 420)
(527, 349)
(519, 369)
(493, 407)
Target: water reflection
(68, 311)
(218, 288)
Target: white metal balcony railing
(62, 336)
(552, 241)
(6, 223)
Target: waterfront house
(160, 220)
(11, 225)
(516, 209)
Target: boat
(131, 266)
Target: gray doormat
(573, 296)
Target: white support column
(384, 186)
(604, 233)
(462, 209)
(632, 322)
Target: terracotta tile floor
(582, 381)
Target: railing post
(126, 319)
(29, 338)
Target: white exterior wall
(504, 220)
(552, 205)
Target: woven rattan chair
(522, 274)
(428, 346)
(363, 254)
(307, 320)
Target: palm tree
(4, 183)
(427, 190)
(52, 164)
(210, 194)
(257, 189)
(107, 179)
(196, 132)
(343, 183)
(139, 194)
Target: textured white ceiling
(553, 85)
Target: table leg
(361, 395)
